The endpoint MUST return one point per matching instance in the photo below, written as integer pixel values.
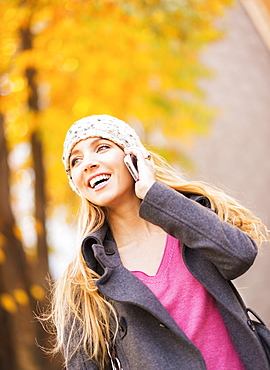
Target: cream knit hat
(104, 126)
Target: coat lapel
(116, 282)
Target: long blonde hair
(80, 315)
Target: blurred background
(192, 78)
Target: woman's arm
(227, 247)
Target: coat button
(109, 251)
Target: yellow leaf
(39, 227)
(8, 303)
(17, 232)
(37, 292)
(81, 105)
(18, 84)
(70, 65)
(21, 296)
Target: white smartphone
(131, 163)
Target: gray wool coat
(214, 252)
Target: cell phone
(131, 163)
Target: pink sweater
(193, 309)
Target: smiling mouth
(93, 183)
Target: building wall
(236, 154)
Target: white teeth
(98, 178)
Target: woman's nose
(90, 165)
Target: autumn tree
(61, 60)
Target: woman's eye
(74, 161)
(103, 147)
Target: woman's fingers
(146, 169)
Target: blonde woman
(150, 285)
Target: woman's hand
(146, 169)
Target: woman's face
(99, 173)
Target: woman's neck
(128, 227)
(140, 244)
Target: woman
(150, 285)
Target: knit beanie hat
(103, 126)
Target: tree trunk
(42, 266)
(7, 353)
(19, 331)
(40, 269)
(18, 350)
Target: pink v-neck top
(193, 308)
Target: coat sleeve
(231, 250)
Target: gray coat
(213, 251)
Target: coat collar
(116, 282)
(103, 237)
(95, 238)
(100, 251)
(99, 248)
